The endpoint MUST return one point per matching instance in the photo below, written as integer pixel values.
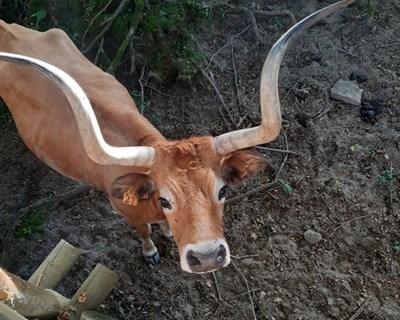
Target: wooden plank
(56, 266)
(27, 299)
(6, 313)
(92, 292)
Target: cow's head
(188, 181)
(185, 180)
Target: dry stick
(246, 256)
(142, 91)
(219, 291)
(52, 201)
(139, 6)
(94, 18)
(351, 220)
(360, 309)
(349, 53)
(247, 287)
(276, 150)
(389, 45)
(225, 45)
(210, 79)
(267, 185)
(251, 15)
(108, 23)
(254, 23)
(277, 13)
(99, 52)
(235, 77)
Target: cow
(83, 123)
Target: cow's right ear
(132, 188)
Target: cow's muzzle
(205, 256)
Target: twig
(142, 92)
(360, 309)
(276, 150)
(251, 15)
(94, 18)
(51, 201)
(243, 293)
(253, 20)
(108, 23)
(139, 6)
(351, 220)
(277, 13)
(389, 45)
(267, 185)
(209, 76)
(225, 45)
(246, 256)
(115, 14)
(219, 292)
(162, 93)
(217, 287)
(235, 77)
(247, 287)
(349, 53)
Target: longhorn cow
(83, 123)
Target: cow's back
(42, 113)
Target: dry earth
(339, 173)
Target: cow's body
(33, 100)
(47, 125)
(175, 183)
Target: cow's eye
(165, 203)
(222, 192)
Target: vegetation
(122, 35)
(5, 115)
(32, 224)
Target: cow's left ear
(241, 165)
(132, 188)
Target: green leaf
(40, 15)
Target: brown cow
(109, 145)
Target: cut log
(27, 299)
(92, 292)
(56, 266)
(6, 313)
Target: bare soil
(338, 171)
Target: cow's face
(188, 182)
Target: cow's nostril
(192, 259)
(221, 254)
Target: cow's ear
(132, 188)
(241, 165)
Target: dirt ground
(343, 173)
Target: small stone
(346, 91)
(359, 76)
(312, 237)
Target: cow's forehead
(188, 155)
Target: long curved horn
(97, 149)
(269, 96)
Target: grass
(5, 115)
(387, 178)
(285, 186)
(396, 247)
(32, 224)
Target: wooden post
(6, 313)
(56, 266)
(92, 292)
(27, 299)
